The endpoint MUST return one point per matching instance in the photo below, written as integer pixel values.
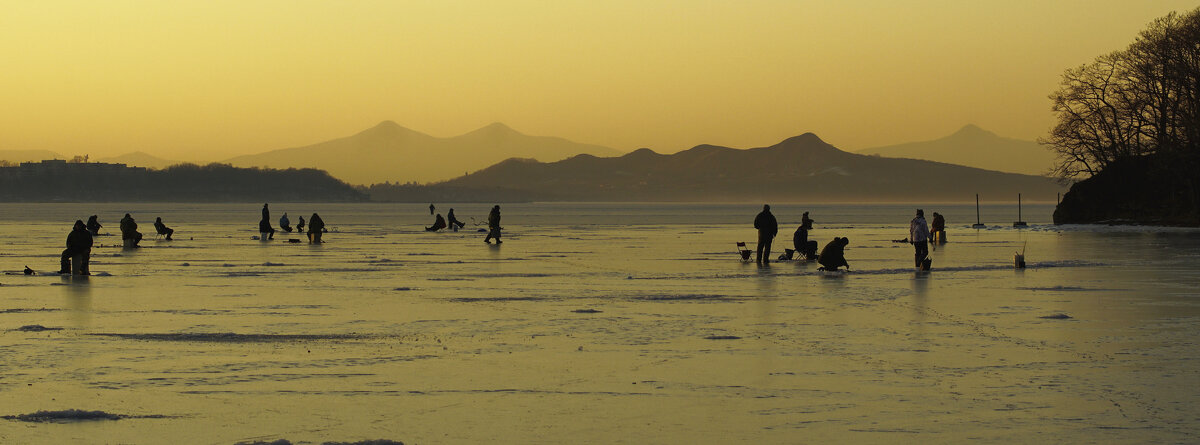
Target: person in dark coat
(431, 208)
(79, 243)
(285, 224)
(807, 249)
(129, 230)
(767, 227)
(493, 225)
(833, 255)
(455, 224)
(300, 225)
(93, 225)
(264, 225)
(438, 224)
(162, 229)
(316, 227)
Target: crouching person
(78, 251)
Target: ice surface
(601, 323)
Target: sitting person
(79, 243)
(129, 230)
(833, 255)
(807, 249)
(162, 229)
(285, 224)
(455, 224)
(438, 224)
(316, 227)
(300, 225)
(93, 225)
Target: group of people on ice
(316, 226)
(454, 224)
(833, 255)
(80, 240)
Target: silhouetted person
(918, 235)
(162, 229)
(300, 225)
(767, 228)
(79, 243)
(264, 225)
(285, 224)
(438, 224)
(807, 249)
(93, 225)
(129, 230)
(938, 227)
(493, 225)
(455, 224)
(833, 255)
(431, 208)
(316, 227)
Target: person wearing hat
(918, 234)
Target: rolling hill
(802, 168)
(975, 147)
(140, 159)
(390, 152)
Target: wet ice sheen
(583, 329)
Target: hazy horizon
(198, 81)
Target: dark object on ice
(438, 224)
(926, 264)
(162, 229)
(129, 233)
(36, 328)
(722, 337)
(493, 225)
(767, 227)
(455, 224)
(28, 271)
(78, 252)
(316, 227)
(65, 416)
(294, 240)
(903, 241)
(977, 225)
(744, 251)
(93, 225)
(833, 255)
(264, 224)
(586, 311)
(1056, 317)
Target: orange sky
(209, 79)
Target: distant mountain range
(975, 147)
(135, 159)
(390, 152)
(802, 168)
(140, 159)
(19, 156)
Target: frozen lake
(597, 323)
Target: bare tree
(1135, 102)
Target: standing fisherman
(767, 228)
(493, 225)
(918, 234)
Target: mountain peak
(806, 138)
(972, 130)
